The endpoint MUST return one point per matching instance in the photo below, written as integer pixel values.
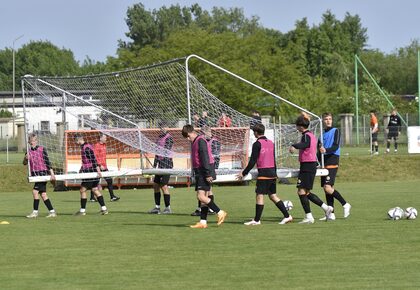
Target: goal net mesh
(134, 108)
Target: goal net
(135, 109)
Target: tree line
(312, 66)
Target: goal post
(133, 108)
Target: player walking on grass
(39, 165)
(160, 182)
(89, 164)
(264, 156)
(307, 172)
(374, 129)
(100, 154)
(393, 130)
(331, 151)
(203, 165)
(215, 151)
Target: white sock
(204, 222)
(52, 211)
(82, 210)
(309, 216)
(157, 206)
(324, 207)
(103, 207)
(35, 211)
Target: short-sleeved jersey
(373, 121)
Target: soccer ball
(289, 205)
(410, 213)
(395, 213)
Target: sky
(93, 27)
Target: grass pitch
(130, 249)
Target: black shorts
(40, 186)
(161, 179)
(90, 183)
(330, 178)
(393, 135)
(201, 183)
(375, 137)
(307, 175)
(266, 186)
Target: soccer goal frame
(225, 174)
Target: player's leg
(35, 207)
(83, 200)
(166, 194)
(396, 143)
(202, 199)
(388, 143)
(280, 205)
(157, 194)
(304, 201)
(259, 208)
(330, 189)
(110, 187)
(307, 179)
(99, 197)
(49, 205)
(203, 185)
(92, 196)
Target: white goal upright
(133, 108)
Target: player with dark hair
(374, 127)
(256, 119)
(89, 164)
(39, 165)
(160, 182)
(215, 151)
(264, 156)
(203, 165)
(393, 130)
(100, 154)
(307, 171)
(331, 150)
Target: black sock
(167, 199)
(338, 196)
(282, 208)
(203, 213)
(330, 199)
(157, 198)
(315, 199)
(211, 197)
(83, 202)
(199, 204)
(396, 145)
(388, 144)
(36, 204)
(92, 196)
(258, 212)
(305, 203)
(101, 200)
(376, 148)
(110, 187)
(48, 204)
(213, 206)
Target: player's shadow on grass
(158, 225)
(149, 214)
